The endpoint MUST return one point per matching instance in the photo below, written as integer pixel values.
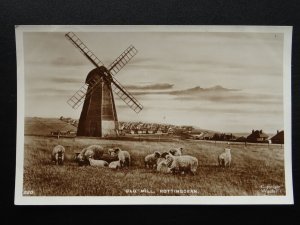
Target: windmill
(98, 117)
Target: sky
(227, 82)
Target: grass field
(253, 169)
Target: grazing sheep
(185, 163)
(150, 160)
(123, 156)
(58, 154)
(97, 163)
(176, 151)
(162, 167)
(110, 151)
(224, 158)
(114, 165)
(109, 158)
(162, 157)
(93, 151)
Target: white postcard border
(154, 200)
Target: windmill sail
(83, 49)
(126, 96)
(78, 98)
(122, 60)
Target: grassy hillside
(252, 168)
(43, 126)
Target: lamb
(176, 151)
(162, 166)
(114, 165)
(58, 154)
(185, 163)
(151, 159)
(93, 151)
(224, 158)
(97, 163)
(123, 156)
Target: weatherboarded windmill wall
(98, 116)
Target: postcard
(143, 115)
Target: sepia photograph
(120, 115)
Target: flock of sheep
(172, 161)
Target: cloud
(189, 92)
(217, 94)
(64, 61)
(199, 90)
(239, 98)
(161, 86)
(59, 61)
(66, 80)
(50, 91)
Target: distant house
(241, 139)
(159, 131)
(278, 138)
(257, 136)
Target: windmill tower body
(98, 116)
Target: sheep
(97, 163)
(58, 154)
(114, 165)
(109, 158)
(93, 151)
(162, 157)
(162, 167)
(151, 159)
(176, 151)
(185, 163)
(224, 158)
(123, 156)
(110, 151)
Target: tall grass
(252, 167)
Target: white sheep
(185, 163)
(114, 165)
(224, 158)
(151, 159)
(97, 163)
(176, 151)
(162, 167)
(58, 154)
(162, 157)
(110, 151)
(123, 156)
(93, 151)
